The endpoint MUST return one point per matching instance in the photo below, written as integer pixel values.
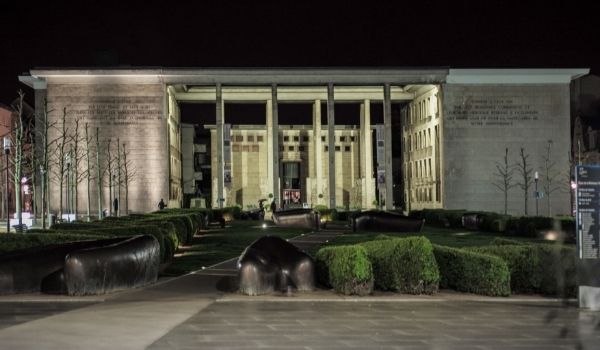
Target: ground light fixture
(264, 225)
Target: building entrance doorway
(291, 185)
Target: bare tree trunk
(87, 158)
(126, 181)
(118, 177)
(110, 189)
(98, 176)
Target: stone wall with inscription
(133, 115)
(481, 121)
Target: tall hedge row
(405, 265)
(345, 268)
(472, 272)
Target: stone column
(366, 154)
(220, 162)
(269, 110)
(387, 141)
(331, 143)
(275, 141)
(318, 149)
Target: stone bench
(81, 268)
(384, 221)
(271, 263)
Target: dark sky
(295, 34)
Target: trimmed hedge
(528, 226)
(548, 269)
(406, 265)
(472, 272)
(12, 241)
(345, 268)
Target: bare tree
(18, 158)
(43, 126)
(59, 166)
(504, 175)
(119, 183)
(524, 170)
(77, 156)
(109, 169)
(99, 174)
(88, 170)
(549, 185)
(129, 174)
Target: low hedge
(163, 230)
(406, 265)
(345, 268)
(472, 272)
(528, 226)
(12, 241)
(440, 217)
(548, 269)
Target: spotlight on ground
(551, 236)
(264, 225)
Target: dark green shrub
(406, 265)
(326, 214)
(11, 241)
(548, 269)
(522, 261)
(505, 241)
(472, 272)
(528, 226)
(345, 268)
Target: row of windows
(423, 109)
(249, 138)
(323, 138)
(420, 168)
(245, 148)
(419, 140)
(337, 148)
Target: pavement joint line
(338, 298)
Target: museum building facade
(441, 141)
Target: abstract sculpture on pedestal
(306, 218)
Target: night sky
(295, 34)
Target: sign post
(587, 179)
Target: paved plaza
(201, 311)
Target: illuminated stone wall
(133, 114)
(250, 170)
(481, 121)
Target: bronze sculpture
(306, 218)
(270, 263)
(374, 220)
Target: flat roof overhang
(299, 76)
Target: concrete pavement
(199, 310)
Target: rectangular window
(338, 148)
(250, 138)
(305, 139)
(346, 148)
(236, 148)
(301, 148)
(245, 148)
(254, 148)
(296, 138)
(291, 148)
(326, 148)
(342, 138)
(286, 139)
(352, 138)
(239, 138)
(322, 138)
(259, 138)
